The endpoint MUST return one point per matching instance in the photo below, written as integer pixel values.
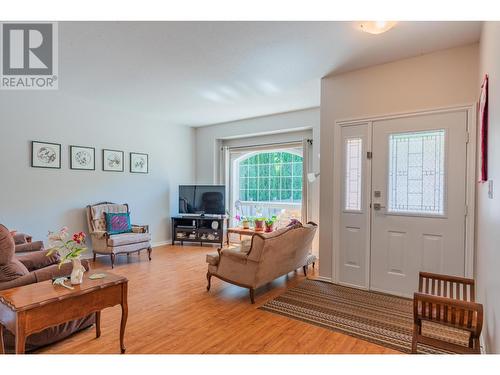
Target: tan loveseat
(113, 244)
(264, 258)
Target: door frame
(470, 196)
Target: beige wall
(488, 210)
(440, 79)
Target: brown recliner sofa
(24, 243)
(266, 257)
(29, 268)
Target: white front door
(402, 202)
(418, 195)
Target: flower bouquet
(70, 250)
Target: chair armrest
(30, 278)
(29, 247)
(100, 234)
(448, 311)
(38, 259)
(140, 228)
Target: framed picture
(112, 160)
(139, 163)
(45, 155)
(81, 157)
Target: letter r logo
(27, 49)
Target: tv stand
(198, 229)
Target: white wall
(488, 210)
(37, 200)
(440, 79)
(208, 139)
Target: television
(202, 199)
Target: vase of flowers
(70, 250)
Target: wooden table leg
(124, 316)
(227, 238)
(97, 324)
(20, 334)
(2, 351)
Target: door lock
(377, 206)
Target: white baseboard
(161, 243)
(322, 278)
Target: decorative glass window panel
(416, 172)
(353, 157)
(271, 177)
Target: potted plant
(245, 222)
(270, 223)
(259, 224)
(70, 250)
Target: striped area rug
(376, 317)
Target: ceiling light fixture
(376, 27)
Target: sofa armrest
(20, 238)
(140, 228)
(30, 278)
(38, 259)
(234, 253)
(27, 247)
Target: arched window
(269, 176)
(266, 183)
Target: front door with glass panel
(402, 211)
(418, 199)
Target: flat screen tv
(202, 199)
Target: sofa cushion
(213, 259)
(117, 223)
(128, 238)
(12, 270)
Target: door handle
(377, 206)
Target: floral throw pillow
(118, 223)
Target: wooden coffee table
(32, 308)
(241, 232)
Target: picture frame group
(49, 155)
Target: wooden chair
(448, 301)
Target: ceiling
(200, 73)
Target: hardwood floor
(170, 311)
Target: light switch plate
(490, 189)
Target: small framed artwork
(81, 157)
(112, 160)
(139, 163)
(45, 155)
